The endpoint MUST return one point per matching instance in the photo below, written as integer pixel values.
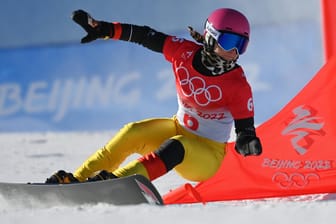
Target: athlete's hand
(248, 144)
(95, 29)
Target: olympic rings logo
(297, 180)
(196, 87)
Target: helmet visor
(229, 41)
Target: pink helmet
(226, 20)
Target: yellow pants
(202, 156)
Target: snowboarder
(212, 92)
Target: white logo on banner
(60, 96)
(301, 127)
(294, 180)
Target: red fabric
(299, 154)
(154, 165)
(329, 27)
(117, 31)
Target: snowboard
(131, 190)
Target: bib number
(190, 122)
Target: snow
(31, 157)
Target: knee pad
(171, 152)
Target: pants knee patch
(171, 152)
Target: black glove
(248, 143)
(95, 29)
(61, 177)
(102, 175)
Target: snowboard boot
(61, 177)
(102, 175)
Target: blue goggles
(229, 41)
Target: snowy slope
(33, 157)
